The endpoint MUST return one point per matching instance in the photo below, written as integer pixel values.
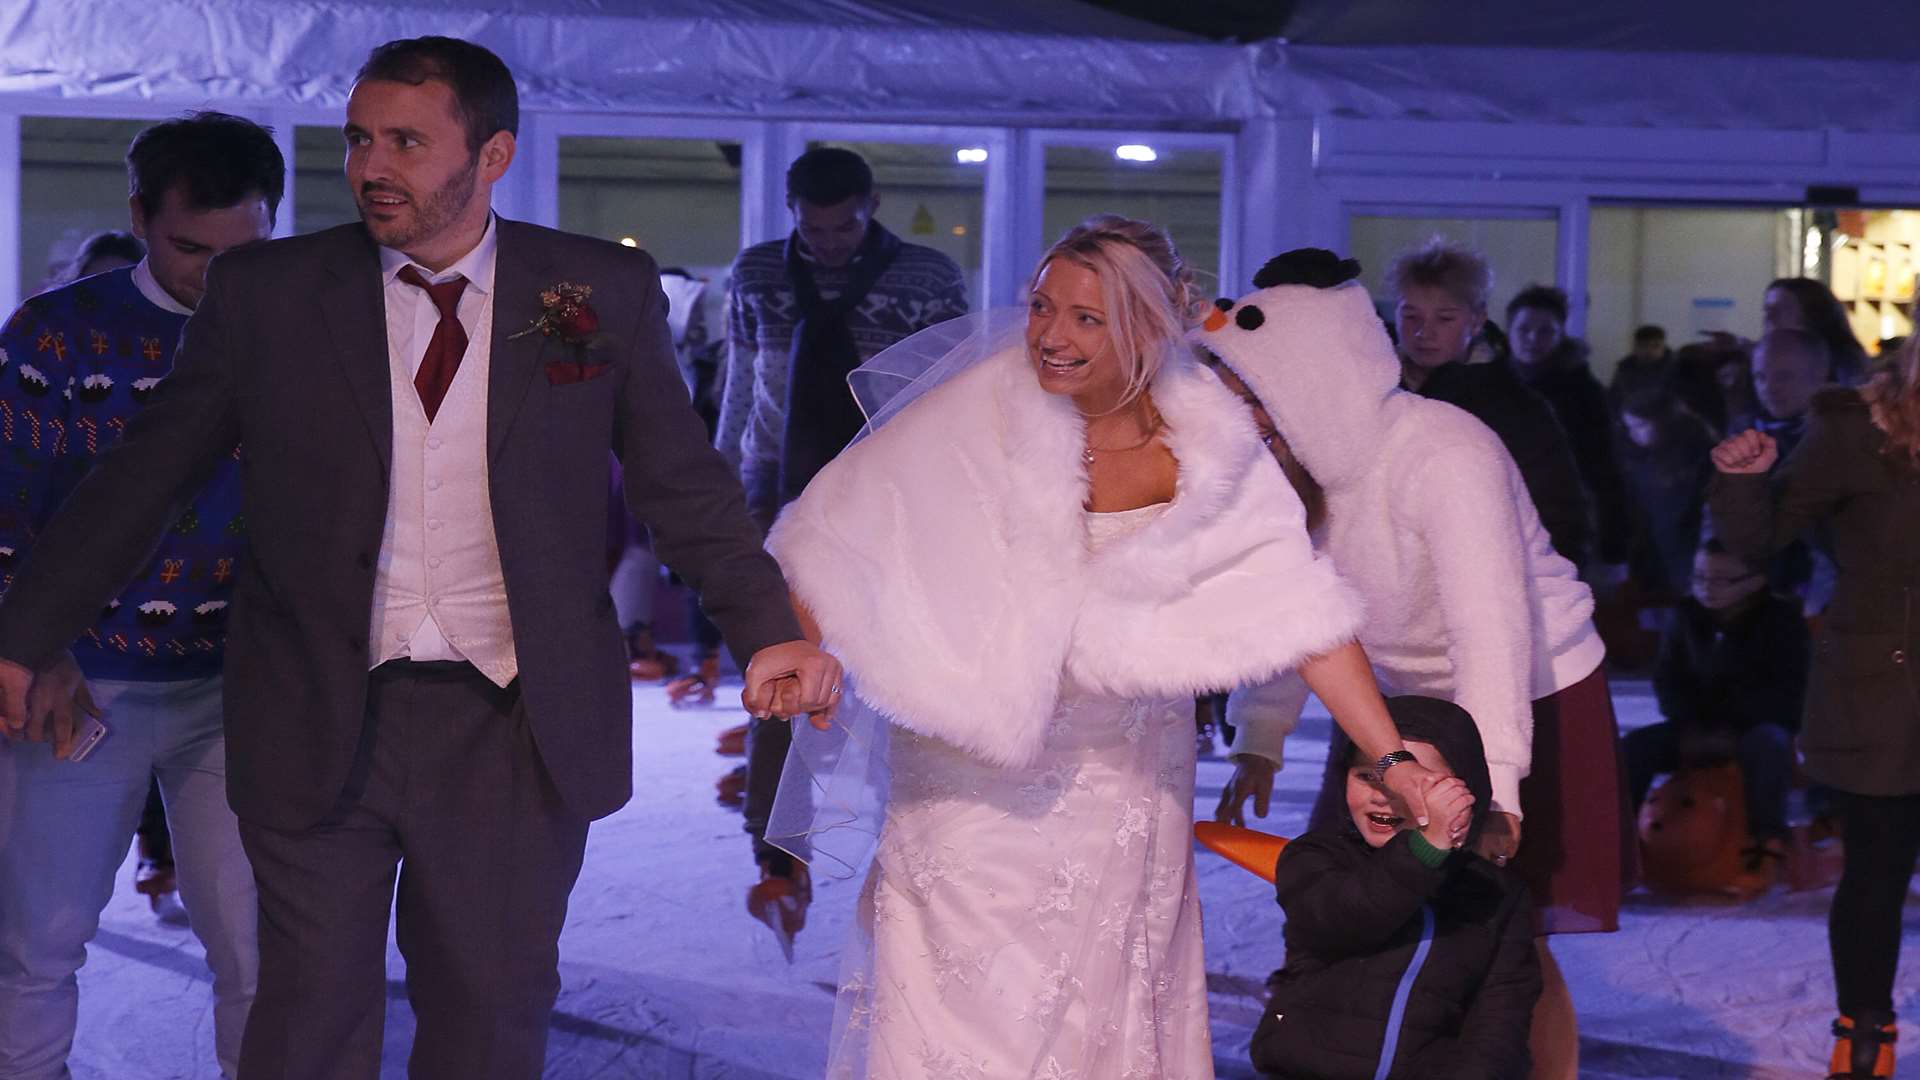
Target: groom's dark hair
(483, 91)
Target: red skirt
(1577, 841)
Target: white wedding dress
(1038, 922)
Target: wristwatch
(1388, 761)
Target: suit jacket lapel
(355, 311)
(520, 272)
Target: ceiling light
(1135, 152)
(970, 155)
(628, 241)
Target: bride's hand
(1410, 780)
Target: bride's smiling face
(1067, 335)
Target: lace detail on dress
(1036, 923)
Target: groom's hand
(792, 678)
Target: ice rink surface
(665, 976)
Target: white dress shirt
(438, 589)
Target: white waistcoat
(438, 592)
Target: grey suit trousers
(447, 797)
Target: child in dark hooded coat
(1399, 945)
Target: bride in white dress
(1029, 571)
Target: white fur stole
(945, 558)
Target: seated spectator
(1440, 292)
(1731, 680)
(1379, 909)
(1665, 459)
(1554, 366)
(1805, 304)
(1649, 365)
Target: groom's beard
(420, 219)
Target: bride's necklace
(1153, 432)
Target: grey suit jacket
(287, 356)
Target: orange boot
(730, 790)
(1863, 1046)
(697, 688)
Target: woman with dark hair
(1466, 599)
(1856, 472)
(1440, 292)
(1801, 303)
(101, 252)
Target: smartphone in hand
(91, 734)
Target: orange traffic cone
(1248, 849)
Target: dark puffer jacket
(1579, 402)
(1354, 922)
(1526, 424)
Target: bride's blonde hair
(1147, 289)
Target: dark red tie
(449, 342)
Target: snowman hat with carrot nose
(1309, 344)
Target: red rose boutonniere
(566, 316)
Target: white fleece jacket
(1427, 519)
(945, 558)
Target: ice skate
(732, 742)
(731, 789)
(780, 901)
(697, 688)
(1863, 1046)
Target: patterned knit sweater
(920, 288)
(75, 364)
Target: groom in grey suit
(426, 687)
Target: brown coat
(1862, 731)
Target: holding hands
(1746, 454)
(1449, 811)
(1414, 784)
(793, 678)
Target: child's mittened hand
(1450, 812)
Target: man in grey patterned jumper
(803, 312)
(887, 290)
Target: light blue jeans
(64, 831)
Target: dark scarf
(1786, 433)
(822, 416)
